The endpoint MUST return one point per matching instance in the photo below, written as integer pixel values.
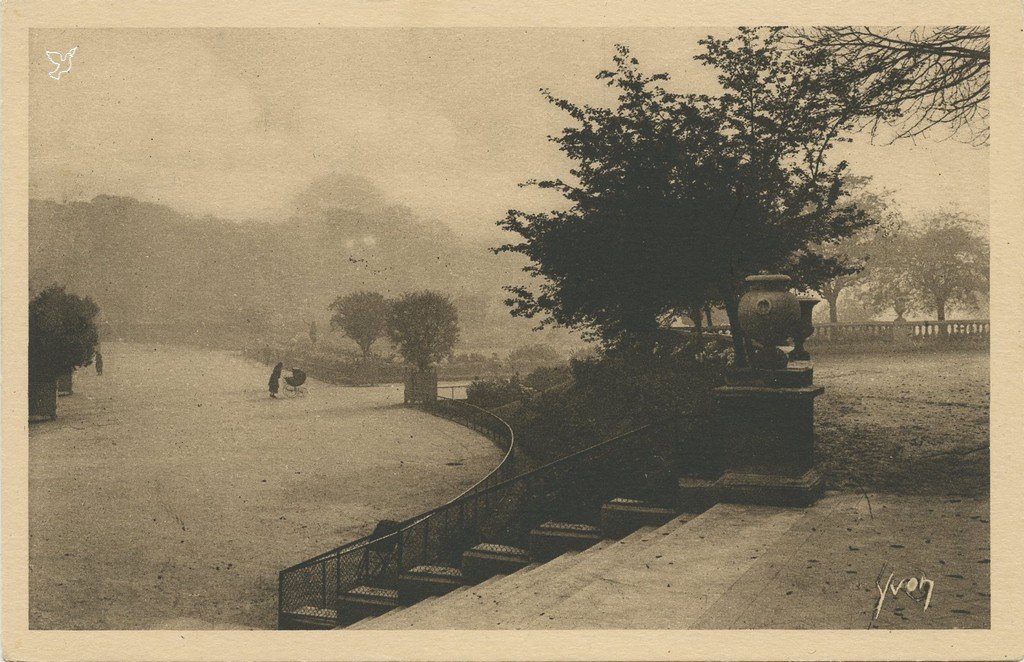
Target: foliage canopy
(362, 316)
(62, 332)
(424, 326)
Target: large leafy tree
(424, 326)
(946, 263)
(362, 316)
(62, 332)
(674, 199)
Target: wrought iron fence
(499, 509)
(308, 590)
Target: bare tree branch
(916, 80)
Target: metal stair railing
(499, 509)
(310, 589)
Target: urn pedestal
(42, 398)
(421, 387)
(767, 444)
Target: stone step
(462, 609)
(310, 618)
(488, 559)
(621, 517)
(363, 601)
(491, 608)
(554, 587)
(554, 538)
(516, 576)
(423, 581)
(729, 610)
(358, 625)
(473, 599)
(559, 564)
(395, 620)
(675, 580)
(697, 494)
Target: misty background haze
(228, 177)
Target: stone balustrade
(843, 333)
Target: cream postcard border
(1005, 639)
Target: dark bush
(548, 377)
(491, 393)
(615, 392)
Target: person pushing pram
(294, 383)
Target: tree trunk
(833, 310)
(695, 316)
(707, 313)
(732, 310)
(65, 384)
(940, 310)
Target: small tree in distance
(846, 263)
(424, 326)
(362, 316)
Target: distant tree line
(928, 268)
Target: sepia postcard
(386, 330)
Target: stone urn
(804, 329)
(769, 313)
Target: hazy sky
(235, 122)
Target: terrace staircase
(691, 571)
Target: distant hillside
(159, 274)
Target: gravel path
(172, 489)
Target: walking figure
(275, 380)
(99, 363)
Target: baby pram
(295, 382)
